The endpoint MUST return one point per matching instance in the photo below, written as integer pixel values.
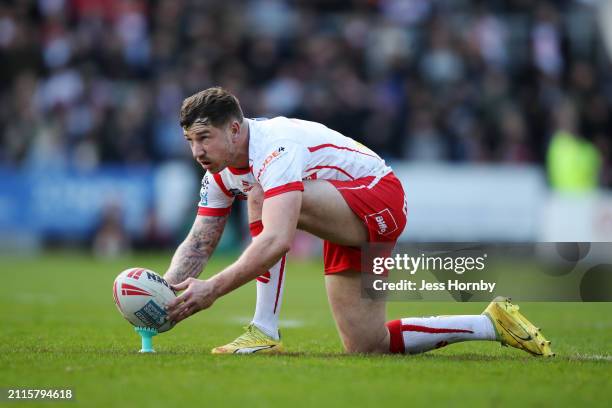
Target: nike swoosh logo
(516, 336)
(250, 350)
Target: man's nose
(198, 151)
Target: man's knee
(375, 341)
(364, 331)
(360, 322)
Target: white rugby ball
(141, 296)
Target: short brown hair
(214, 106)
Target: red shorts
(381, 207)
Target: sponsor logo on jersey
(151, 315)
(383, 222)
(271, 157)
(204, 192)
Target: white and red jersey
(219, 190)
(282, 153)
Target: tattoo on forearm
(193, 254)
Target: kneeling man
(304, 175)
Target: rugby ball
(141, 296)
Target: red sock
(396, 338)
(256, 227)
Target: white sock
(270, 287)
(420, 334)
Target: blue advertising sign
(69, 204)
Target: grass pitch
(61, 329)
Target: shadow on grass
(194, 352)
(372, 357)
(407, 358)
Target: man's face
(212, 146)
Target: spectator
(574, 164)
(90, 82)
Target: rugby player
(304, 175)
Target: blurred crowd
(86, 82)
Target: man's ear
(235, 128)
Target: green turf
(61, 329)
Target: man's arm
(193, 253)
(280, 217)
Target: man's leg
(361, 323)
(270, 287)
(326, 215)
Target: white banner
(472, 202)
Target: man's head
(211, 122)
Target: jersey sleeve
(280, 170)
(215, 199)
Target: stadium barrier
(445, 203)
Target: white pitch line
(590, 357)
(283, 323)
